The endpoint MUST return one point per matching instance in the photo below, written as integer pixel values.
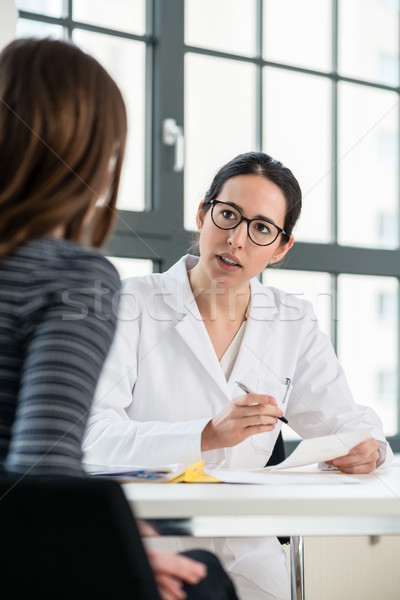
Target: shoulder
(285, 305)
(173, 282)
(156, 281)
(89, 265)
(160, 293)
(286, 299)
(137, 292)
(65, 263)
(142, 285)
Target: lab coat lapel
(194, 333)
(258, 333)
(178, 295)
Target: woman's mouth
(228, 263)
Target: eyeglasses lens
(260, 232)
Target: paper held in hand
(321, 449)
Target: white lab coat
(162, 383)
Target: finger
(362, 453)
(164, 594)
(367, 447)
(191, 571)
(353, 464)
(185, 568)
(249, 407)
(170, 588)
(352, 461)
(254, 399)
(263, 420)
(257, 410)
(366, 455)
(194, 572)
(145, 529)
(359, 469)
(254, 429)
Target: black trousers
(216, 585)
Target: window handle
(173, 136)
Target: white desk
(371, 507)
(202, 510)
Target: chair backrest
(66, 537)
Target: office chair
(66, 537)
(296, 542)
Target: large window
(314, 83)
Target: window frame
(157, 233)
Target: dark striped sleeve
(64, 357)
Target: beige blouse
(229, 358)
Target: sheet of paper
(320, 449)
(265, 477)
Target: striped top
(58, 307)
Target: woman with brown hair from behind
(62, 139)
(61, 151)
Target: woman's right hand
(243, 417)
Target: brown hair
(62, 140)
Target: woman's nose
(238, 236)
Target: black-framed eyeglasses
(261, 231)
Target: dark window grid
(262, 62)
(68, 23)
(396, 439)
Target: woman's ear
(200, 216)
(282, 250)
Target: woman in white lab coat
(168, 391)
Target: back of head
(62, 140)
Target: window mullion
(398, 244)
(259, 80)
(334, 125)
(168, 103)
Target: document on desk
(125, 473)
(321, 449)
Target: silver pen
(246, 389)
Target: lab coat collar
(262, 302)
(179, 296)
(176, 287)
(263, 308)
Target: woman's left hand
(362, 458)
(172, 571)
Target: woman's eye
(228, 214)
(263, 228)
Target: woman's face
(255, 197)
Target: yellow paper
(194, 474)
